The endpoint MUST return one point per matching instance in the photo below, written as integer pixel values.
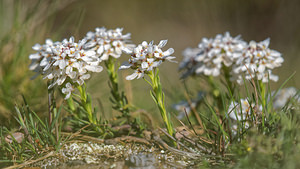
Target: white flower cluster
(242, 59)
(284, 96)
(66, 63)
(43, 56)
(257, 60)
(107, 42)
(145, 57)
(212, 54)
(241, 112)
(185, 106)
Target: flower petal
(132, 76)
(170, 51)
(162, 43)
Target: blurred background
(183, 23)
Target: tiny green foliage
(145, 59)
(33, 139)
(236, 119)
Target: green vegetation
(238, 119)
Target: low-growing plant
(109, 46)
(34, 138)
(226, 63)
(237, 113)
(144, 60)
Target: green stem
(86, 102)
(215, 90)
(50, 102)
(52, 108)
(56, 124)
(120, 100)
(71, 105)
(159, 97)
(263, 98)
(227, 78)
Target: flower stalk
(50, 103)
(52, 111)
(71, 105)
(108, 45)
(144, 60)
(86, 102)
(263, 100)
(227, 76)
(120, 100)
(159, 98)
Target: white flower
(67, 90)
(71, 62)
(242, 59)
(146, 57)
(137, 74)
(257, 61)
(212, 54)
(66, 63)
(184, 106)
(150, 63)
(283, 96)
(43, 56)
(107, 43)
(189, 61)
(241, 112)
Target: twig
(177, 141)
(157, 138)
(193, 110)
(122, 127)
(202, 139)
(84, 137)
(194, 143)
(127, 139)
(186, 115)
(31, 161)
(77, 132)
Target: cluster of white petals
(257, 60)
(211, 55)
(241, 112)
(108, 42)
(241, 59)
(42, 57)
(145, 57)
(284, 96)
(66, 63)
(185, 107)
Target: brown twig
(127, 139)
(186, 115)
(157, 138)
(202, 139)
(76, 133)
(194, 110)
(177, 141)
(83, 137)
(31, 161)
(122, 127)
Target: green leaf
(153, 96)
